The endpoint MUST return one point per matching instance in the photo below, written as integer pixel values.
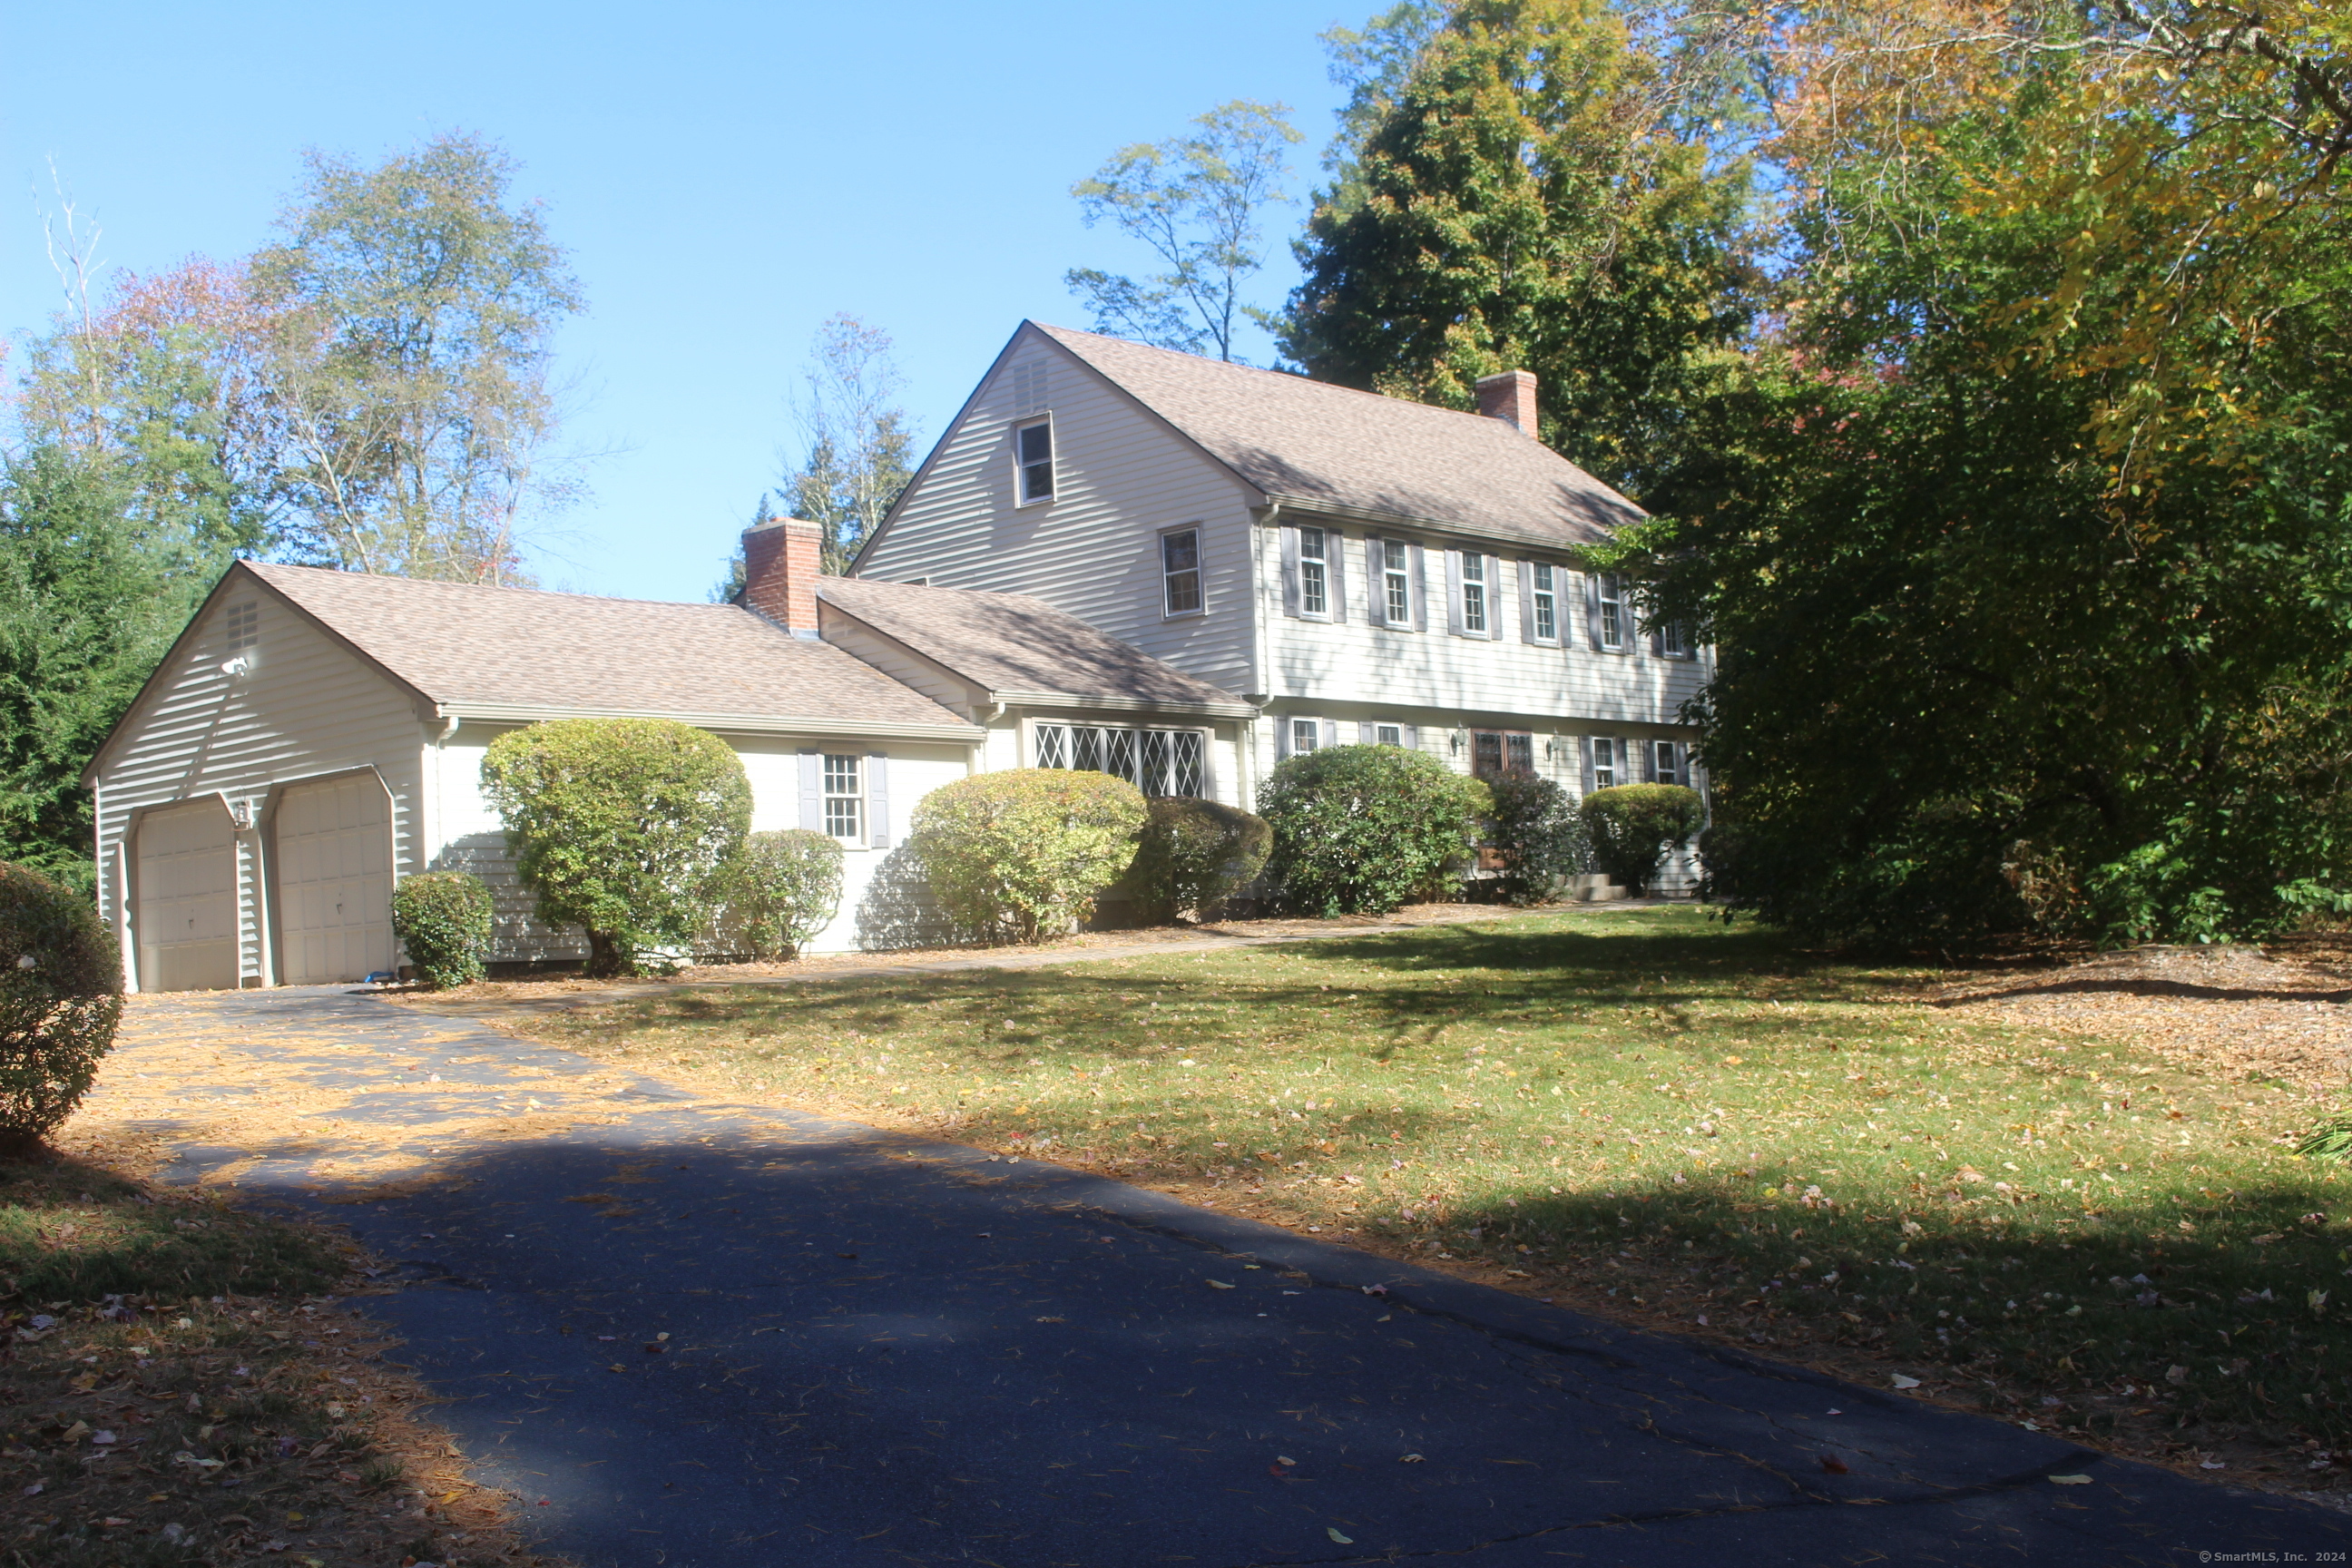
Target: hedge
(1634, 826)
(1195, 855)
(1020, 855)
(60, 1000)
(442, 918)
(1362, 829)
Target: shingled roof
(521, 653)
(1359, 452)
(1016, 646)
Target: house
(316, 735)
(1360, 568)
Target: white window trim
(1330, 538)
(825, 796)
(1616, 761)
(1200, 570)
(1021, 497)
(1416, 604)
(1608, 591)
(1532, 590)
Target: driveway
(692, 1333)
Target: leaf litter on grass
(1658, 1118)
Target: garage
(333, 880)
(186, 919)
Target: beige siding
(306, 707)
(1122, 477)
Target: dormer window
(1034, 455)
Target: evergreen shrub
(1542, 839)
(442, 918)
(1362, 829)
(1632, 826)
(1023, 853)
(780, 890)
(1195, 855)
(60, 1000)
(621, 826)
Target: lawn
(1647, 1114)
(176, 1389)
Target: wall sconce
(240, 816)
(1456, 738)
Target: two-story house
(1362, 568)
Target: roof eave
(1079, 699)
(1371, 518)
(738, 723)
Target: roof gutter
(739, 723)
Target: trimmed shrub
(780, 890)
(1362, 829)
(620, 826)
(61, 999)
(1634, 826)
(1020, 855)
(1194, 854)
(442, 918)
(1538, 835)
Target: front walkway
(708, 1335)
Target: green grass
(1686, 1118)
(76, 1233)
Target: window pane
(1304, 734)
(1388, 734)
(1547, 624)
(1666, 763)
(1053, 745)
(1037, 444)
(1152, 775)
(1310, 544)
(1543, 578)
(1180, 558)
(1119, 759)
(1485, 754)
(1520, 752)
(1189, 778)
(1088, 752)
(1182, 551)
(1313, 599)
(1473, 608)
(841, 775)
(1604, 764)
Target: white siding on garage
(185, 882)
(304, 708)
(1122, 477)
(332, 853)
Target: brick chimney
(781, 565)
(1509, 396)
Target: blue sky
(724, 176)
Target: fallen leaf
(1219, 1285)
(110, 1522)
(1342, 1540)
(1409, 1459)
(1903, 1382)
(2071, 1481)
(1834, 1465)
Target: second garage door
(333, 898)
(186, 919)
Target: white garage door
(334, 881)
(187, 900)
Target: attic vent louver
(1029, 388)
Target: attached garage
(186, 920)
(331, 882)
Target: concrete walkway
(702, 1335)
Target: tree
(412, 310)
(621, 826)
(1196, 201)
(2030, 537)
(857, 442)
(1524, 197)
(91, 594)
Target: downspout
(976, 760)
(1261, 660)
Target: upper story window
(1609, 620)
(1314, 573)
(1034, 454)
(244, 625)
(845, 797)
(1396, 580)
(1543, 602)
(1674, 642)
(1474, 593)
(1180, 571)
(1604, 763)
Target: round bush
(1362, 829)
(620, 826)
(61, 999)
(1538, 835)
(1634, 826)
(1195, 855)
(442, 918)
(1015, 855)
(782, 889)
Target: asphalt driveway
(691, 1333)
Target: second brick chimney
(780, 563)
(1509, 396)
